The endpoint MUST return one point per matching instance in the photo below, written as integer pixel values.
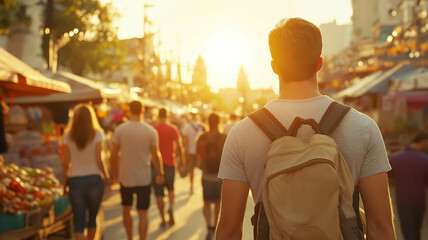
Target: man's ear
(274, 66)
(320, 63)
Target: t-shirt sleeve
(391, 173)
(116, 136)
(66, 138)
(232, 164)
(176, 133)
(186, 131)
(154, 138)
(99, 136)
(376, 158)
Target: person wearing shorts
(190, 133)
(211, 184)
(170, 146)
(142, 193)
(137, 141)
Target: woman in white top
(84, 169)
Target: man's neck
(162, 120)
(299, 89)
(135, 118)
(416, 146)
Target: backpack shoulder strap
(267, 122)
(332, 117)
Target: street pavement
(189, 221)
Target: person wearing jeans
(84, 169)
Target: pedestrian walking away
(170, 146)
(209, 150)
(136, 141)
(84, 169)
(190, 133)
(410, 175)
(295, 46)
(233, 121)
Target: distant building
(335, 37)
(365, 14)
(199, 77)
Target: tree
(85, 36)
(11, 13)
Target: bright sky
(226, 33)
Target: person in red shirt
(170, 145)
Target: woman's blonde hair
(82, 125)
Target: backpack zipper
(305, 164)
(305, 149)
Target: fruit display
(22, 189)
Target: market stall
(31, 204)
(82, 90)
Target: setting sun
(225, 51)
(227, 34)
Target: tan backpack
(308, 191)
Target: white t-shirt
(358, 138)
(134, 140)
(227, 127)
(192, 131)
(83, 162)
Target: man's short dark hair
(135, 107)
(295, 46)
(213, 120)
(419, 137)
(162, 113)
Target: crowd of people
(143, 159)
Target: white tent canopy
(82, 89)
(20, 79)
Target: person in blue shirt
(410, 174)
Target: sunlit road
(189, 221)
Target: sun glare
(226, 52)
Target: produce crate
(41, 217)
(10, 222)
(61, 204)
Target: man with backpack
(209, 150)
(347, 147)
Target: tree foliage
(85, 29)
(10, 14)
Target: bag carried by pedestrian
(308, 191)
(210, 152)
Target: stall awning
(82, 89)
(412, 83)
(355, 88)
(380, 82)
(19, 79)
